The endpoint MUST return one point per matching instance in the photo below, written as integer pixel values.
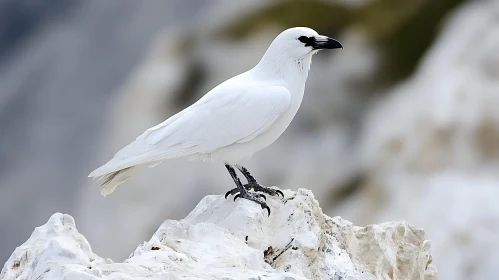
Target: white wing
(219, 119)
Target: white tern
(231, 122)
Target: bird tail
(114, 179)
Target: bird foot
(259, 188)
(255, 197)
(236, 191)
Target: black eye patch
(308, 41)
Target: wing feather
(234, 118)
(217, 120)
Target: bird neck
(278, 65)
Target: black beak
(322, 43)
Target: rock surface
(431, 148)
(221, 239)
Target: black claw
(262, 196)
(264, 206)
(258, 188)
(227, 194)
(237, 196)
(279, 192)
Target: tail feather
(128, 160)
(114, 179)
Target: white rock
(221, 239)
(431, 148)
(445, 117)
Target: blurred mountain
(60, 64)
(20, 19)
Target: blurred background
(403, 123)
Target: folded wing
(219, 119)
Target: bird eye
(308, 41)
(303, 39)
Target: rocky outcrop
(431, 148)
(221, 239)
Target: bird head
(299, 42)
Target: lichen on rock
(221, 239)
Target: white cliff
(221, 239)
(431, 148)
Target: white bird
(231, 122)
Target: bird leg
(253, 184)
(242, 192)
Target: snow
(222, 239)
